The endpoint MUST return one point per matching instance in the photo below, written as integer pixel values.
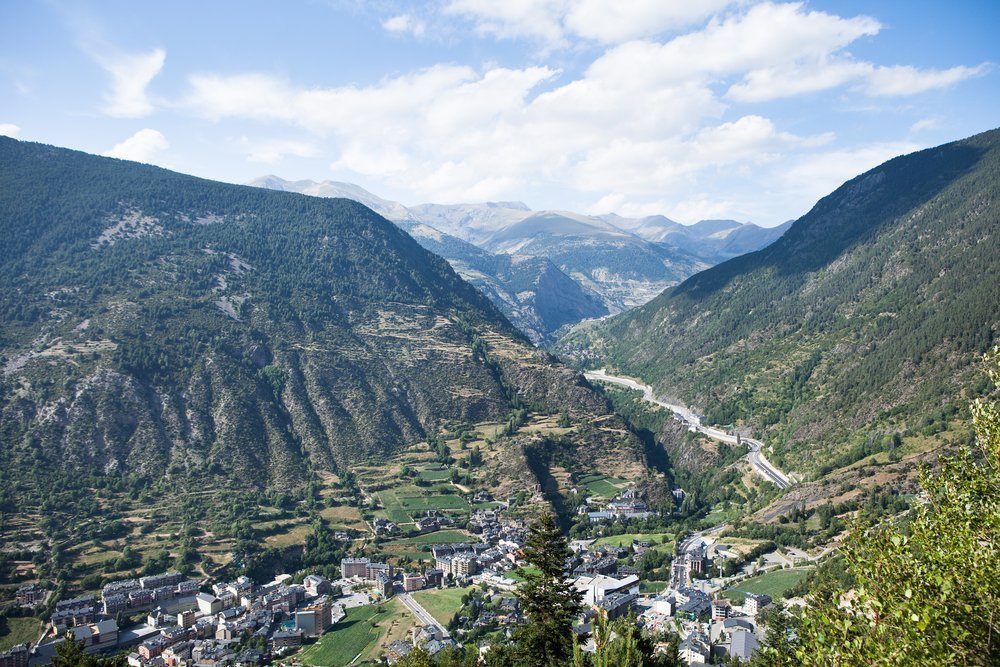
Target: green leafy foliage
(925, 592)
(70, 653)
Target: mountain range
(608, 264)
(860, 328)
(160, 326)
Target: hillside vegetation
(860, 325)
(164, 326)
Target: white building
(595, 588)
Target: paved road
(755, 456)
(422, 614)
(691, 540)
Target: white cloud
(925, 124)
(646, 124)
(537, 19)
(10, 130)
(130, 75)
(405, 23)
(906, 80)
(798, 78)
(411, 127)
(555, 22)
(776, 82)
(619, 204)
(701, 207)
(140, 147)
(671, 165)
(273, 151)
(622, 20)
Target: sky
(691, 109)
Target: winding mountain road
(755, 456)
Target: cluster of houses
(384, 527)
(188, 627)
(498, 551)
(627, 505)
(381, 575)
(142, 593)
(493, 527)
(711, 630)
(429, 638)
(30, 595)
(492, 611)
(731, 633)
(433, 520)
(207, 634)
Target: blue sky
(694, 109)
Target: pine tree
(70, 654)
(548, 600)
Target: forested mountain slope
(158, 324)
(866, 318)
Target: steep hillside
(623, 262)
(866, 318)
(531, 292)
(162, 325)
(622, 268)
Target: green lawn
(652, 586)
(721, 513)
(412, 554)
(491, 505)
(435, 474)
(625, 540)
(518, 574)
(14, 631)
(773, 584)
(421, 504)
(295, 534)
(442, 603)
(439, 537)
(348, 638)
(607, 487)
(393, 508)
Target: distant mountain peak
(622, 261)
(514, 205)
